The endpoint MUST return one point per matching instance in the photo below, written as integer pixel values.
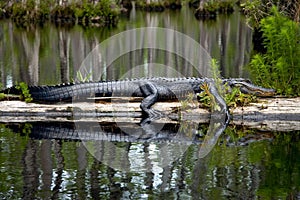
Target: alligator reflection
(188, 133)
(116, 132)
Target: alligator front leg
(218, 122)
(150, 92)
(219, 106)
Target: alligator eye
(244, 90)
(258, 93)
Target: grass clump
(210, 9)
(232, 96)
(279, 66)
(157, 6)
(25, 93)
(82, 78)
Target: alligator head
(248, 88)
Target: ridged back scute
(69, 91)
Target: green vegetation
(158, 6)
(82, 78)
(18, 92)
(233, 98)
(2, 96)
(28, 12)
(256, 10)
(279, 66)
(206, 98)
(188, 102)
(236, 98)
(25, 94)
(152, 6)
(210, 9)
(105, 12)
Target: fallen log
(275, 114)
(272, 114)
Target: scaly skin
(151, 89)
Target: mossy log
(272, 114)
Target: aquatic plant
(158, 6)
(29, 12)
(278, 67)
(155, 6)
(210, 9)
(25, 94)
(104, 12)
(63, 14)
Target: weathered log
(278, 114)
(274, 114)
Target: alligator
(150, 89)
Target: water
(34, 166)
(117, 160)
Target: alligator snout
(249, 88)
(260, 92)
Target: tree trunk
(64, 49)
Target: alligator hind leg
(151, 96)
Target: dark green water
(263, 165)
(33, 167)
